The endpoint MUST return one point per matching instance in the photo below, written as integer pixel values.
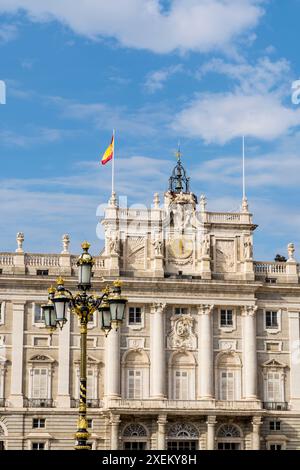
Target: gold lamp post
(110, 305)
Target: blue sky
(204, 72)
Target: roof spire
(179, 182)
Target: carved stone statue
(206, 245)
(291, 251)
(66, 243)
(113, 244)
(248, 248)
(20, 240)
(157, 243)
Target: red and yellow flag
(109, 152)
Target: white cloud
(8, 32)
(156, 80)
(255, 107)
(35, 136)
(199, 25)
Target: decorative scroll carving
(182, 336)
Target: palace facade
(208, 356)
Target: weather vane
(178, 153)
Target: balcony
(38, 402)
(92, 403)
(276, 406)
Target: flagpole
(244, 184)
(113, 166)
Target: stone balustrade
(269, 267)
(147, 404)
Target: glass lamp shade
(117, 309)
(49, 315)
(84, 274)
(61, 303)
(105, 317)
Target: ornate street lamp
(111, 306)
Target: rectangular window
(181, 385)
(2, 312)
(135, 315)
(181, 311)
(275, 447)
(38, 446)
(42, 272)
(275, 425)
(135, 445)
(90, 423)
(40, 383)
(226, 318)
(39, 423)
(134, 384)
(274, 390)
(90, 385)
(271, 319)
(227, 386)
(38, 314)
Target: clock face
(180, 248)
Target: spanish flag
(109, 152)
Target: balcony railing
(184, 404)
(276, 406)
(92, 403)
(38, 402)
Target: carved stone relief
(225, 259)
(182, 336)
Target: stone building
(207, 357)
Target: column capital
(162, 419)
(205, 309)
(114, 419)
(257, 421)
(158, 307)
(249, 310)
(211, 420)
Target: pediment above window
(41, 358)
(274, 364)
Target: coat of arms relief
(182, 335)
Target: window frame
(2, 311)
(37, 324)
(276, 423)
(39, 420)
(176, 307)
(272, 329)
(135, 326)
(130, 372)
(227, 328)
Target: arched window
(135, 382)
(228, 379)
(135, 437)
(183, 436)
(182, 376)
(229, 437)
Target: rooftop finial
(178, 153)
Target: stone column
(63, 391)
(294, 335)
(249, 353)
(16, 396)
(112, 364)
(114, 434)
(161, 432)
(157, 352)
(211, 426)
(256, 424)
(205, 352)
